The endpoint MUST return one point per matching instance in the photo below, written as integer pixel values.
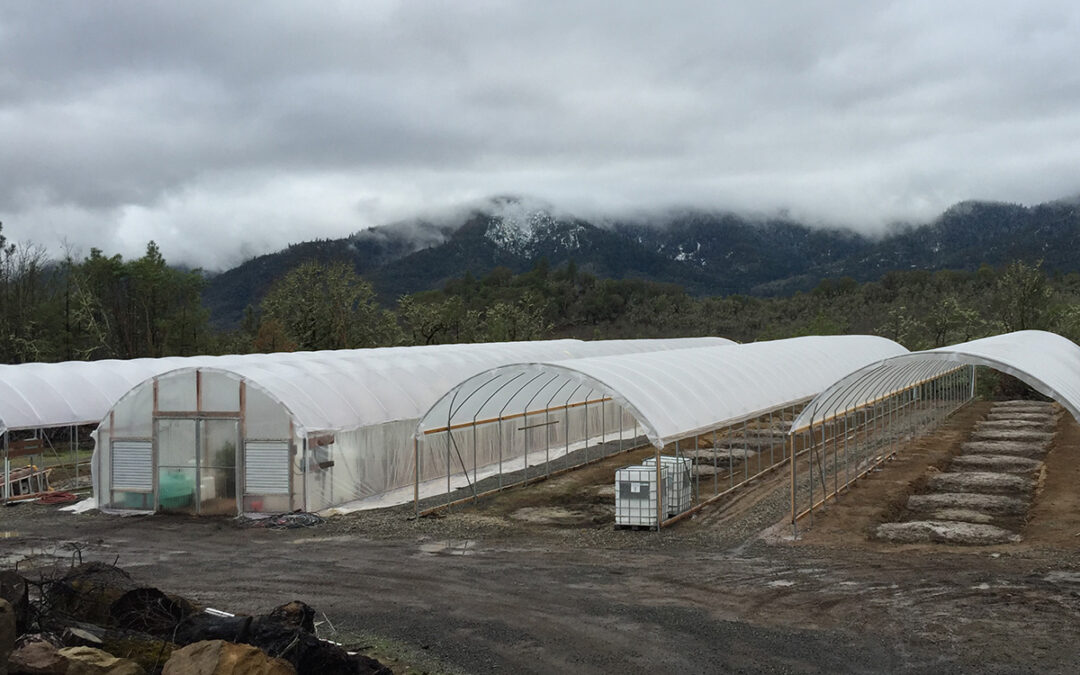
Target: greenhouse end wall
(199, 442)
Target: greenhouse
(49, 395)
(281, 432)
(719, 407)
(856, 424)
(39, 398)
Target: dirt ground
(482, 590)
(1054, 520)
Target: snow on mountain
(520, 226)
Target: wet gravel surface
(469, 593)
(475, 591)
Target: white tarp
(42, 395)
(358, 409)
(1046, 361)
(672, 394)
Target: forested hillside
(706, 253)
(107, 307)
(979, 269)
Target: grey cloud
(227, 129)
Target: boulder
(91, 661)
(14, 589)
(982, 482)
(7, 633)
(997, 505)
(86, 592)
(217, 657)
(969, 534)
(37, 657)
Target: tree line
(100, 307)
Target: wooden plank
(26, 448)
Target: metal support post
(716, 471)
(794, 476)
(659, 492)
(416, 475)
(697, 486)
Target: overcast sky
(226, 129)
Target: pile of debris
(94, 619)
(984, 494)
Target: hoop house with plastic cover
(47, 395)
(505, 420)
(38, 397)
(281, 432)
(859, 421)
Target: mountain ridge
(707, 252)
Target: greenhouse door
(196, 465)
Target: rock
(91, 661)
(217, 657)
(30, 638)
(1028, 405)
(148, 610)
(998, 505)
(708, 470)
(756, 443)
(7, 633)
(723, 456)
(767, 435)
(1030, 449)
(37, 657)
(697, 455)
(998, 425)
(146, 650)
(962, 515)
(1012, 435)
(14, 589)
(86, 592)
(1024, 409)
(1000, 463)
(1030, 416)
(970, 534)
(982, 482)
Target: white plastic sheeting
(1046, 361)
(672, 394)
(44, 395)
(362, 405)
